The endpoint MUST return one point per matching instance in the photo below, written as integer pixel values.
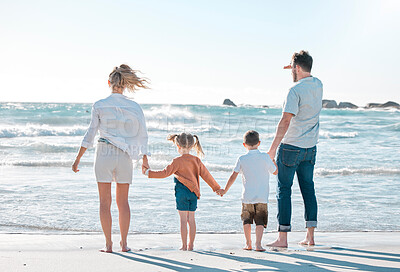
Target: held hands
(145, 165)
(220, 192)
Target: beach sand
(338, 251)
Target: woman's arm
(82, 151)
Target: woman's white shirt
(121, 121)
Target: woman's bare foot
(183, 248)
(107, 249)
(260, 248)
(124, 247)
(278, 243)
(307, 242)
(248, 247)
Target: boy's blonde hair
(125, 77)
(186, 140)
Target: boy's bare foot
(107, 249)
(124, 247)
(248, 247)
(260, 248)
(307, 242)
(183, 248)
(278, 243)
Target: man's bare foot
(248, 247)
(307, 242)
(278, 243)
(260, 248)
(190, 247)
(124, 247)
(107, 249)
(183, 248)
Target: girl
(187, 169)
(123, 137)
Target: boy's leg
(192, 230)
(105, 214)
(247, 235)
(124, 214)
(184, 220)
(259, 235)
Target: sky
(198, 52)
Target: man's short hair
(302, 59)
(251, 137)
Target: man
(298, 131)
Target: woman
(123, 138)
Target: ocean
(357, 174)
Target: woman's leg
(105, 214)
(184, 216)
(192, 230)
(124, 214)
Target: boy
(255, 167)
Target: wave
(363, 171)
(42, 163)
(337, 135)
(45, 228)
(169, 112)
(31, 130)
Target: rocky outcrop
(347, 105)
(329, 104)
(229, 102)
(389, 104)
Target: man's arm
(280, 133)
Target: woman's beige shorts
(112, 164)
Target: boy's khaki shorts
(255, 212)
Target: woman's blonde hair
(187, 140)
(125, 77)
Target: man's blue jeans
(291, 160)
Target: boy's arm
(276, 171)
(231, 180)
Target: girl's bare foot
(190, 248)
(124, 247)
(248, 247)
(183, 248)
(260, 248)
(107, 249)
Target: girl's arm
(231, 180)
(166, 172)
(208, 178)
(82, 151)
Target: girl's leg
(247, 235)
(105, 214)
(192, 230)
(124, 214)
(184, 220)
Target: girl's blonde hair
(187, 140)
(125, 77)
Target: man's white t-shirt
(255, 167)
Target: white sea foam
(41, 163)
(168, 111)
(337, 135)
(363, 171)
(33, 130)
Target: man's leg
(287, 162)
(305, 175)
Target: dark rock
(265, 107)
(329, 104)
(229, 103)
(347, 105)
(389, 104)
